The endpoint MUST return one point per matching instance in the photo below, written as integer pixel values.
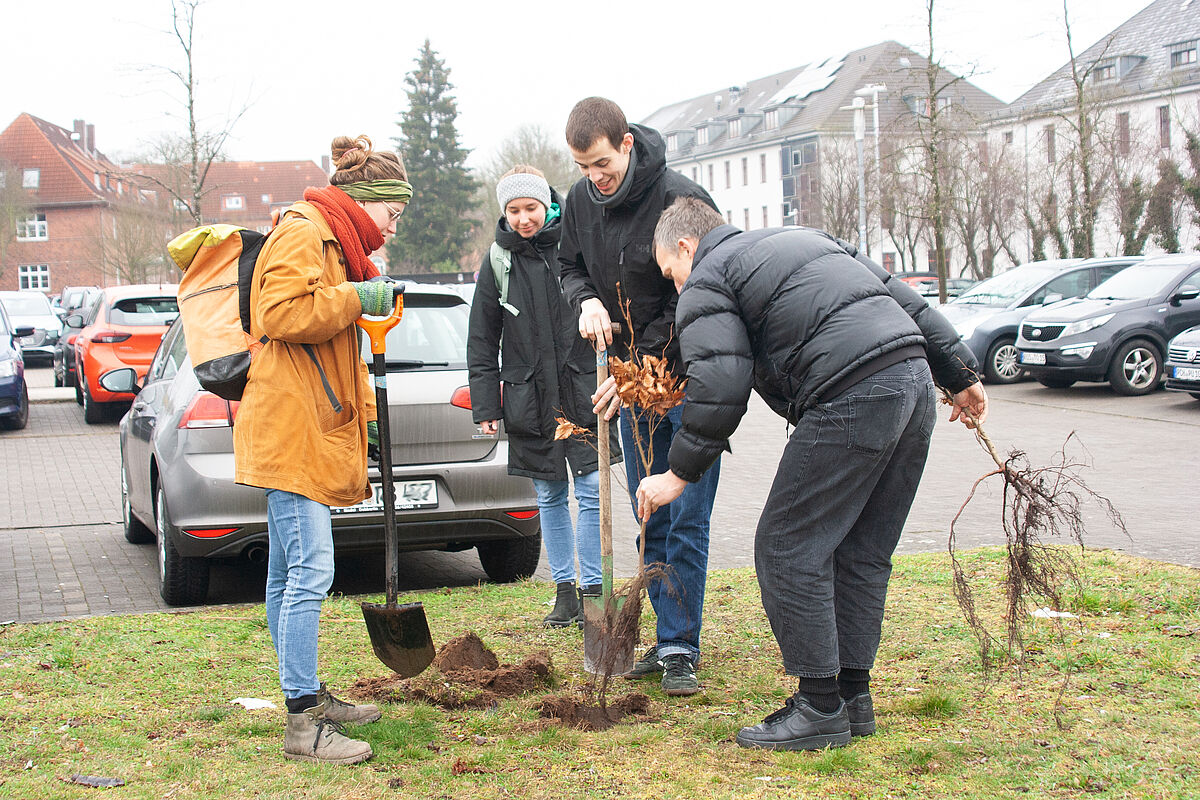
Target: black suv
(1119, 331)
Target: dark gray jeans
(845, 483)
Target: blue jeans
(676, 535)
(845, 483)
(299, 573)
(559, 536)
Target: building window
(232, 202)
(772, 120)
(672, 143)
(1164, 126)
(1183, 54)
(32, 228)
(695, 172)
(33, 276)
(1008, 137)
(1123, 132)
(765, 223)
(746, 227)
(735, 128)
(1048, 131)
(96, 179)
(762, 167)
(889, 262)
(729, 217)
(745, 172)
(702, 136)
(30, 178)
(728, 181)
(787, 213)
(266, 199)
(710, 177)
(808, 153)
(1105, 72)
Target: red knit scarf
(356, 232)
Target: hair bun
(350, 154)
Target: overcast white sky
(311, 70)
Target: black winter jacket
(796, 313)
(602, 246)
(546, 368)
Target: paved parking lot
(62, 552)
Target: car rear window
(144, 311)
(432, 334)
(27, 304)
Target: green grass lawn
(147, 699)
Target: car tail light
(461, 398)
(71, 339)
(209, 533)
(110, 337)
(207, 411)
(522, 514)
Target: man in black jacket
(844, 353)
(607, 262)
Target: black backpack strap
(337, 406)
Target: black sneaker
(798, 726)
(861, 711)
(648, 664)
(679, 675)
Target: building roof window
(31, 178)
(1183, 54)
(1106, 71)
(702, 135)
(672, 142)
(772, 120)
(735, 128)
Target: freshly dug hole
(586, 717)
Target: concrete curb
(55, 395)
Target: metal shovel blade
(602, 650)
(400, 636)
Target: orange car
(121, 328)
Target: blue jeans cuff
(665, 650)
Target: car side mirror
(1051, 298)
(74, 320)
(61, 313)
(23, 331)
(1186, 292)
(120, 380)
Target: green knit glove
(375, 296)
(373, 441)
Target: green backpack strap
(501, 268)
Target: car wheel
(93, 412)
(69, 379)
(59, 380)
(1001, 365)
(1055, 383)
(1136, 369)
(182, 581)
(510, 560)
(78, 391)
(18, 420)
(135, 531)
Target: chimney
(77, 136)
(91, 139)
(325, 164)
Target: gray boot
(312, 736)
(566, 607)
(346, 713)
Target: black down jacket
(603, 246)
(546, 369)
(793, 312)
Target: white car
(32, 309)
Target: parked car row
(453, 490)
(14, 394)
(33, 310)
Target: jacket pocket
(519, 400)
(580, 382)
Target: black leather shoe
(798, 726)
(861, 711)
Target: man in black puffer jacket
(844, 353)
(608, 228)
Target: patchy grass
(147, 699)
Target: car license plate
(409, 495)
(1187, 373)
(1032, 358)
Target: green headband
(389, 190)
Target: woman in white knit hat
(523, 338)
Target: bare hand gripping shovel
(399, 633)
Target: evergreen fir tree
(436, 226)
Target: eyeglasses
(395, 215)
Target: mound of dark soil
(587, 717)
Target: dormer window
(1105, 72)
(672, 142)
(735, 128)
(702, 136)
(772, 120)
(31, 178)
(1183, 54)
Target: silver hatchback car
(453, 490)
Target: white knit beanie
(522, 184)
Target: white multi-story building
(781, 150)
(1140, 89)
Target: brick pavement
(62, 552)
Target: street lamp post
(874, 90)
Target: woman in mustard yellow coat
(308, 412)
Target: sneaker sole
(364, 721)
(862, 728)
(338, 761)
(637, 676)
(819, 742)
(682, 692)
